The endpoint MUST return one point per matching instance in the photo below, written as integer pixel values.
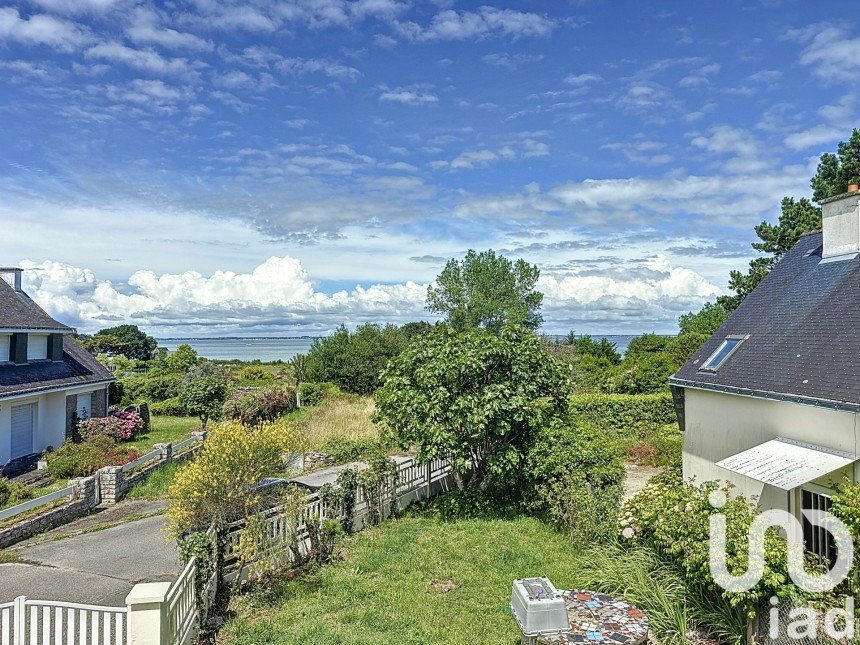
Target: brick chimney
(12, 276)
(841, 224)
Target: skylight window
(722, 354)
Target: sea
(283, 348)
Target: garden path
(637, 477)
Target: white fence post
(20, 618)
(147, 614)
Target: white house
(47, 380)
(771, 403)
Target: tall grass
(673, 606)
(347, 418)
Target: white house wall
(50, 427)
(721, 425)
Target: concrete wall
(721, 425)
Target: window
(818, 540)
(720, 356)
(85, 406)
(4, 348)
(37, 347)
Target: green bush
(624, 415)
(253, 409)
(314, 393)
(255, 374)
(682, 348)
(12, 493)
(588, 514)
(673, 519)
(169, 407)
(85, 458)
(344, 450)
(151, 388)
(643, 373)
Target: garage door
(23, 420)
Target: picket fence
(163, 613)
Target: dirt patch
(443, 586)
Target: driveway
(86, 563)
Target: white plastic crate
(538, 606)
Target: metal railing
(68, 492)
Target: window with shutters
(4, 348)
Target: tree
(299, 363)
(181, 359)
(474, 397)
(354, 360)
(488, 291)
(203, 392)
(603, 349)
(837, 171)
(127, 340)
(706, 321)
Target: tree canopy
(127, 340)
(474, 397)
(837, 171)
(488, 291)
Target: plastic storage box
(538, 607)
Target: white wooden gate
(48, 622)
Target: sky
(268, 167)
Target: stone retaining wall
(115, 483)
(83, 501)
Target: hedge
(624, 414)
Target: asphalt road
(97, 568)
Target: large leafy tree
(127, 340)
(488, 291)
(705, 322)
(474, 397)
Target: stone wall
(83, 501)
(115, 483)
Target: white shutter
(85, 406)
(37, 347)
(4, 348)
(23, 420)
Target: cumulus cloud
(279, 295)
(148, 30)
(40, 29)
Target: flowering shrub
(221, 483)
(119, 426)
(673, 519)
(253, 409)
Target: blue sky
(275, 167)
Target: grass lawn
(380, 593)
(164, 429)
(155, 486)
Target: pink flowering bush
(120, 426)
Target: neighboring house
(771, 403)
(47, 380)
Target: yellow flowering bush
(220, 484)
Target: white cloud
(579, 80)
(77, 7)
(524, 148)
(840, 118)
(408, 95)
(830, 51)
(147, 30)
(40, 29)
(143, 59)
(486, 21)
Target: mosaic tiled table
(598, 618)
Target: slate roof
(78, 367)
(803, 323)
(18, 311)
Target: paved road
(98, 568)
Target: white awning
(787, 464)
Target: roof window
(726, 349)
